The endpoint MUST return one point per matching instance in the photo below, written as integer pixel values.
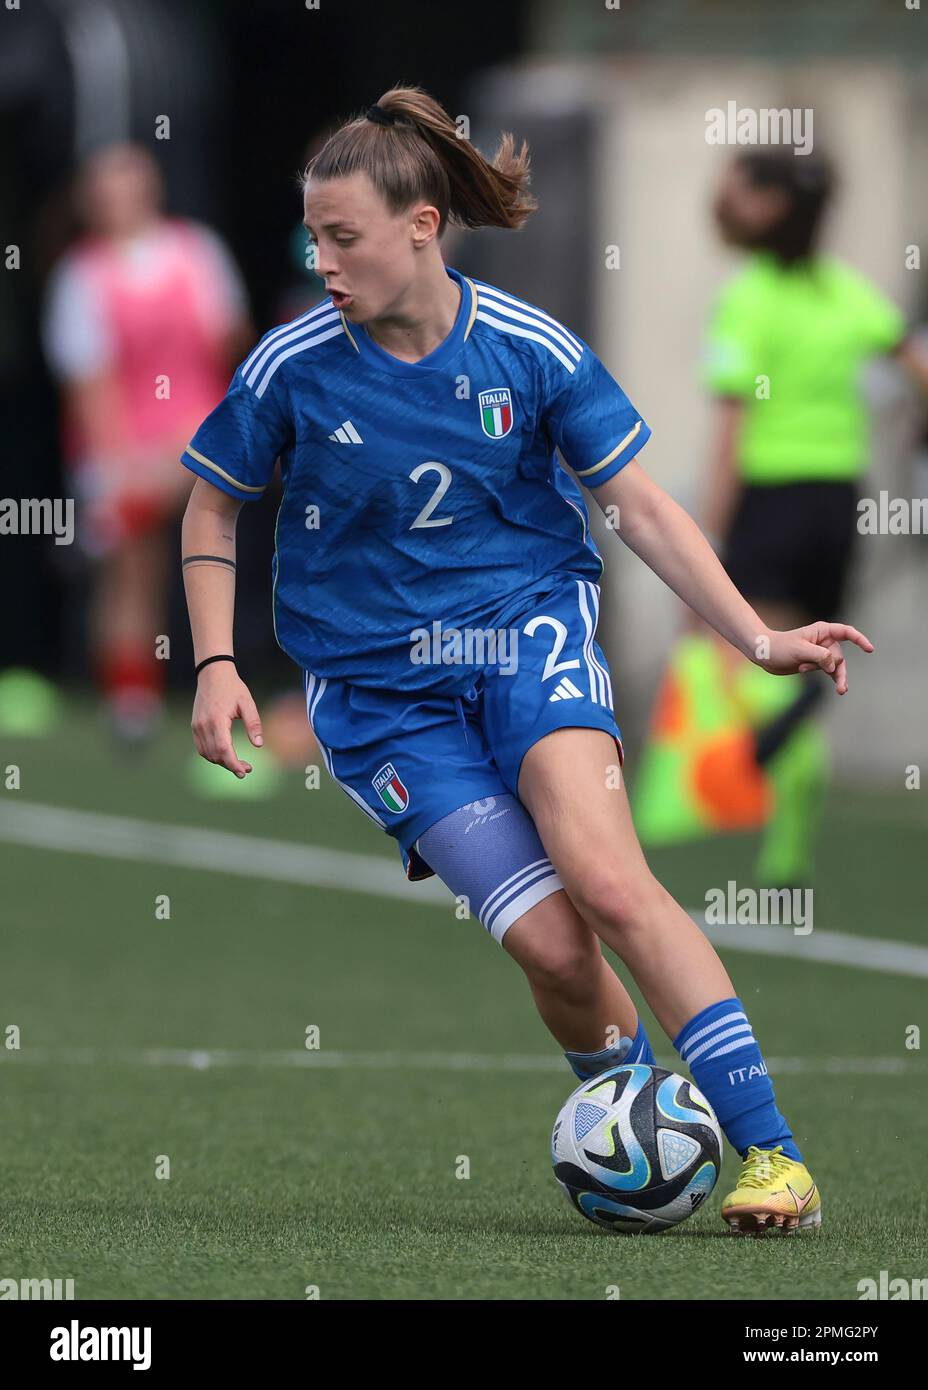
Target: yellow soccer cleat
(773, 1193)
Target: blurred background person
(144, 318)
(789, 336)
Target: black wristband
(207, 661)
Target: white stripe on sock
(712, 1042)
(710, 1028)
(731, 1047)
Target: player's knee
(569, 966)
(605, 896)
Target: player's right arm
(208, 549)
(233, 454)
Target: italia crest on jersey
(390, 788)
(496, 412)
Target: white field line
(208, 851)
(38, 826)
(202, 1059)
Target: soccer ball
(636, 1149)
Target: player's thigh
(489, 855)
(572, 788)
(552, 943)
(559, 680)
(405, 761)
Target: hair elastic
(378, 114)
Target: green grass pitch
(295, 1170)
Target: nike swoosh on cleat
(801, 1202)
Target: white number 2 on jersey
(552, 665)
(425, 517)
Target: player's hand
(222, 696)
(816, 647)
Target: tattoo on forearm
(208, 560)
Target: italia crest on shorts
(390, 788)
(496, 412)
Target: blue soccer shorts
(410, 760)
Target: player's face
(745, 212)
(364, 252)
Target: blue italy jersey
(420, 493)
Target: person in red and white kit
(144, 318)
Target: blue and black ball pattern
(643, 1149)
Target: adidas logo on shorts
(566, 690)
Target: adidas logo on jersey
(566, 690)
(346, 434)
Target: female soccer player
(789, 336)
(435, 579)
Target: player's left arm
(667, 539)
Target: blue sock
(590, 1064)
(641, 1050)
(719, 1048)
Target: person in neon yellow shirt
(788, 338)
